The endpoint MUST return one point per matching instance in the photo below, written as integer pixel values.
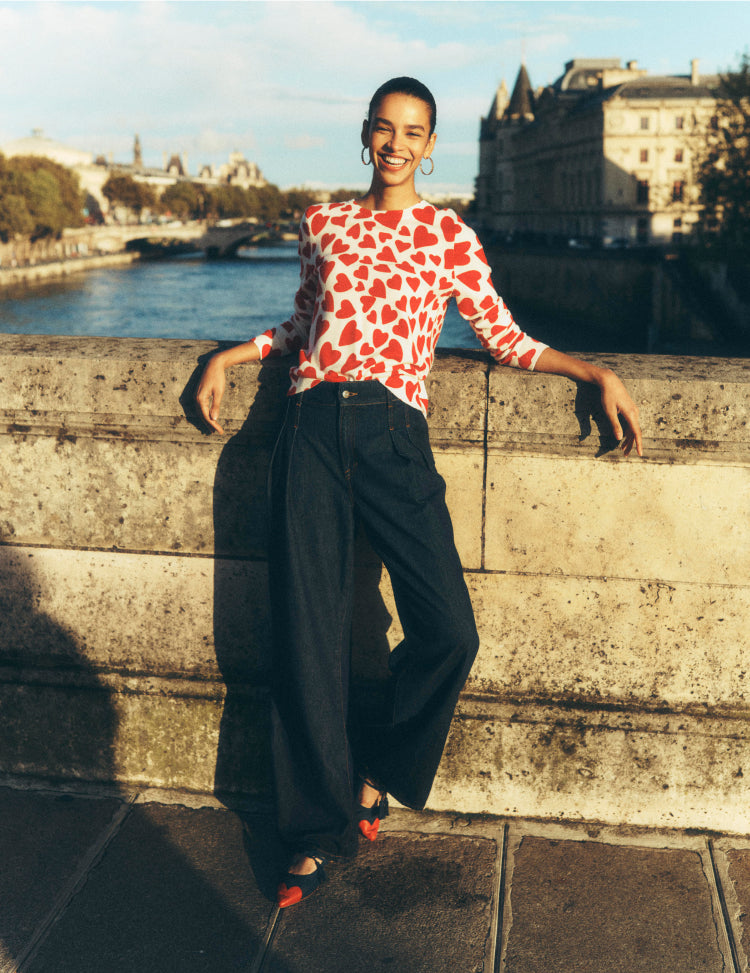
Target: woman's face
(398, 137)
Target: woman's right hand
(211, 390)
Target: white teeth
(393, 161)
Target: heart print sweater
(374, 288)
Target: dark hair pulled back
(404, 86)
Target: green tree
(183, 200)
(38, 197)
(723, 171)
(125, 191)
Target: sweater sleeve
(480, 304)
(289, 337)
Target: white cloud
(299, 143)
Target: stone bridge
(611, 596)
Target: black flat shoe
(369, 818)
(294, 888)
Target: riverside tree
(724, 167)
(125, 191)
(38, 198)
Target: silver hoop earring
(362, 156)
(422, 170)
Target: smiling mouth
(393, 161)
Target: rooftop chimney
(694, 75)
(632, 65)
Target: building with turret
(605, 154)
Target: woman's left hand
(617, 403)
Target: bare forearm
(616, 401)
(555, 362)
(237, 355)
(212, 383)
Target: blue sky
(287, 83)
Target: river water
(181, 297)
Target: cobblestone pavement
(101, 882)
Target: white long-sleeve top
(374, 288)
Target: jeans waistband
(348, 393)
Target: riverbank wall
(611, 595)
(55, 269)
(646, 299)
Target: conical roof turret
(522, 100)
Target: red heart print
(386, 254)
(339, 220)
(419, 258)
(413, 282)
(366, 349)
(411, 390)
(328, 302)
(372, 317)
(458, 256)
(414, 303)
(367, 302)
(328, 356)
(394, 282)
(388, 314)
(383, 237)
(428, 276)
(350, 334)
(379, 337)
(317, 223)
(394, 350)
(390, 218)
(450, 228)
(405, 231)
(348, 258)
(402, 245)
(423, 237)
(401, 329)
(471, 278)
(354, 231)
(425, 215)
(340, 247)
(368, 241)
(401, 303)
(346, 310)
(342, 283)
(362, 273)
(377, 288)
(326, 239)
(350, 364)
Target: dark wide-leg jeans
(352, 451)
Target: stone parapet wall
(611, 595)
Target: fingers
(617, 403)
(209, 396)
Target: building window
(644, 155)
(644, 123)
(642, 191)
(642, 229)
(677, 222)
(678, 155)
(678, 190)
(679, 122)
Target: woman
(376, 277)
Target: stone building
(605, 154)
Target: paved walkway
(97, 882)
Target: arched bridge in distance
(217, 242)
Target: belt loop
(389, 402)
